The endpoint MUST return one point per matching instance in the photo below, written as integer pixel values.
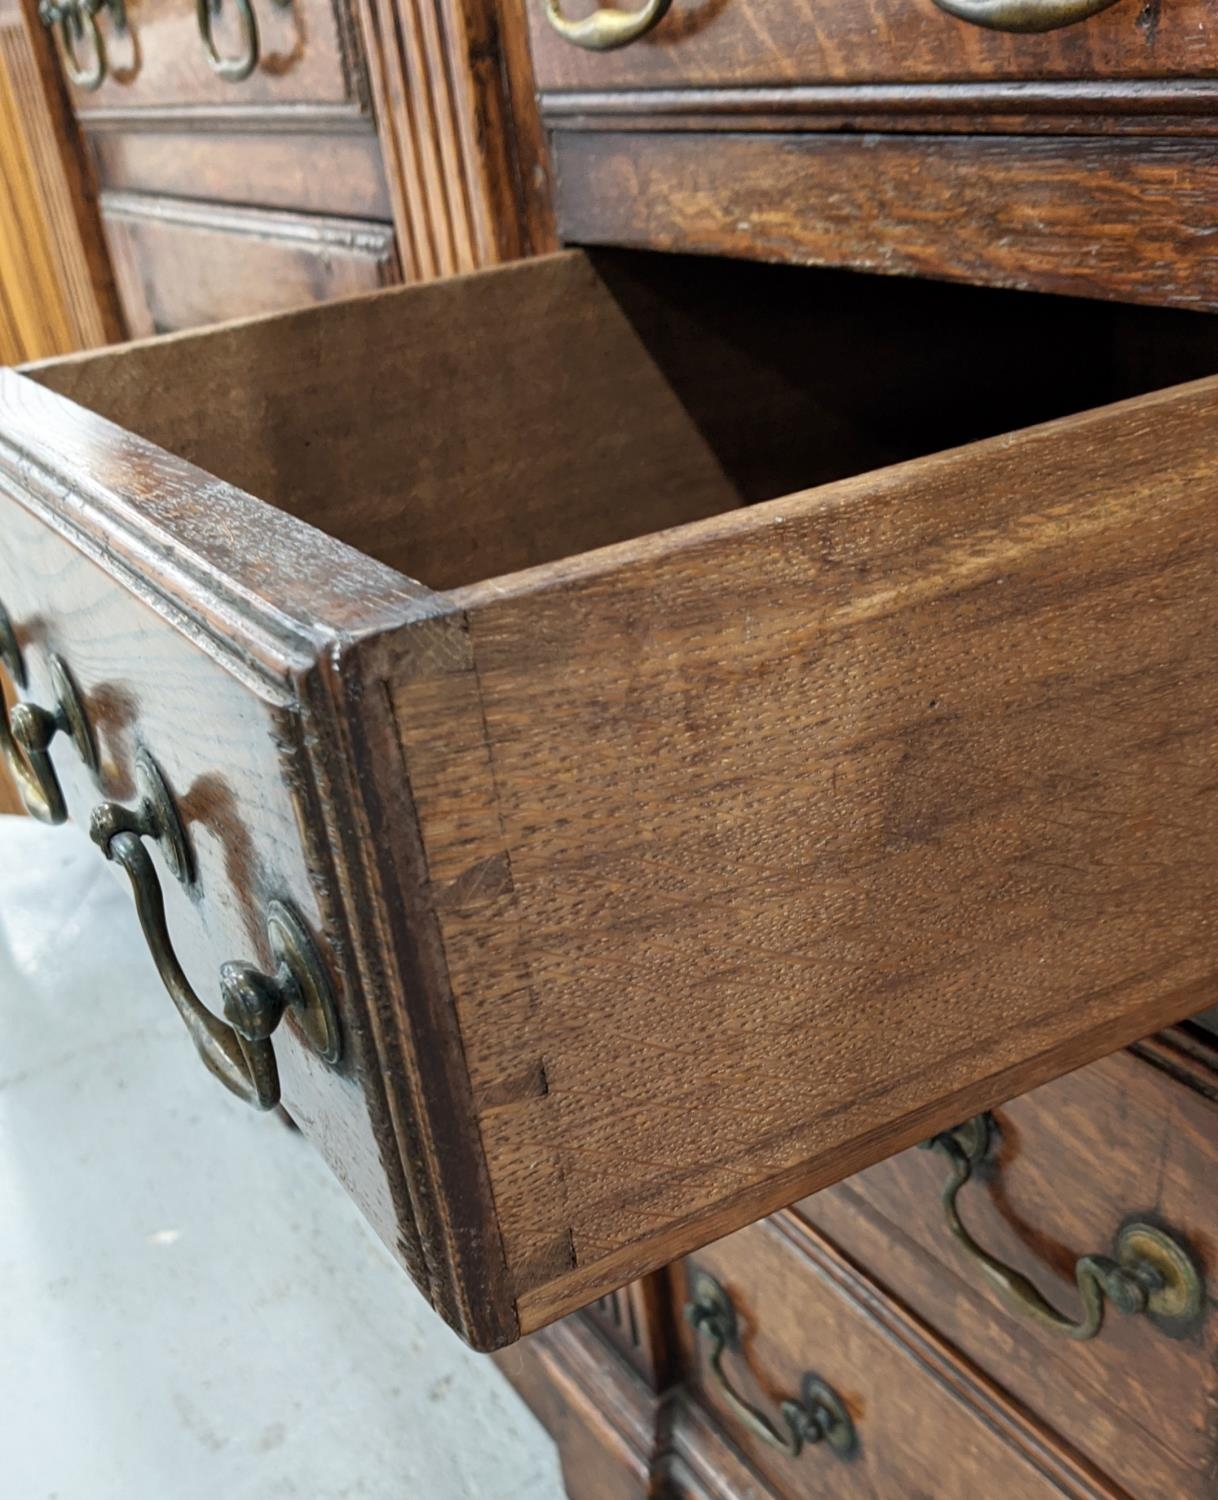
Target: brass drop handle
(1150, 1271)
(238, 1050)
(231, 69)
(819, 1416)
(606, 30)
(27, 731)
(74, 20)
(1024, 15)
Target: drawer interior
(474, 427)
(672, 883)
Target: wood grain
(809, 946)
(459, 132)
(181, 264)
(1125, 219)
(607, 1425)
(1077, 1158)
(55, 289)
(475, 446)
(87, 569)
(1075, 107)
(673, 880)
(332, 171)
(706, 43)
(927, 1424)
(310, 55)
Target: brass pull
(606, 30)
(232, 69)
(73, 19)
(1024, 15)
(1150, 1272)
(819, 1416)
(239, 1050)
(27, 731)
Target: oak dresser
(713, 708)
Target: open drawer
(660, 857)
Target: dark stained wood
(705, 43)
(636, 1320)
(224, 711)
(645, 879)
(672, 880)
(504, 461)
(701, 1461)
(608, 1425)
(309, 56)
(1076, 107)
(1078, 1158)
(181, 264)
(928, 1424)
(617, 1439)
(459, 131)
(529, 414)
(1125, 219)
(334, 171)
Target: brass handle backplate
(819, 1416)
(238, 1050)
(73, 21)
(1150, 1271)
(1024, 15)
(606, 30)
(27, 730)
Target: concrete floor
(190, 1307)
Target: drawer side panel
(767, 846)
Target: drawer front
(1071, 1164)
(175, 659)
(307, 53)
(334, 173)
(892, 1413)
(745, 43)
(686, 875)
(185, 265)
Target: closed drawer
(1069, 1166)
(883, 1409)
(669, 857)
(184, 265)
(755, 43)
(153, 57)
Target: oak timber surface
(223, 721)
(181, 264)
(765, 842)
(925, 1426)
(706, 43)
(1127, 219)
(1075, 1160)
(308, 56)
(688, 875)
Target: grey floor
(189, 1306)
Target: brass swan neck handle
(237, 68)
(607, 30)
(27, 730)
(1150, 1272)
(239, 1049)
(1024, 15)
(818, 1416)
(74, 20)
